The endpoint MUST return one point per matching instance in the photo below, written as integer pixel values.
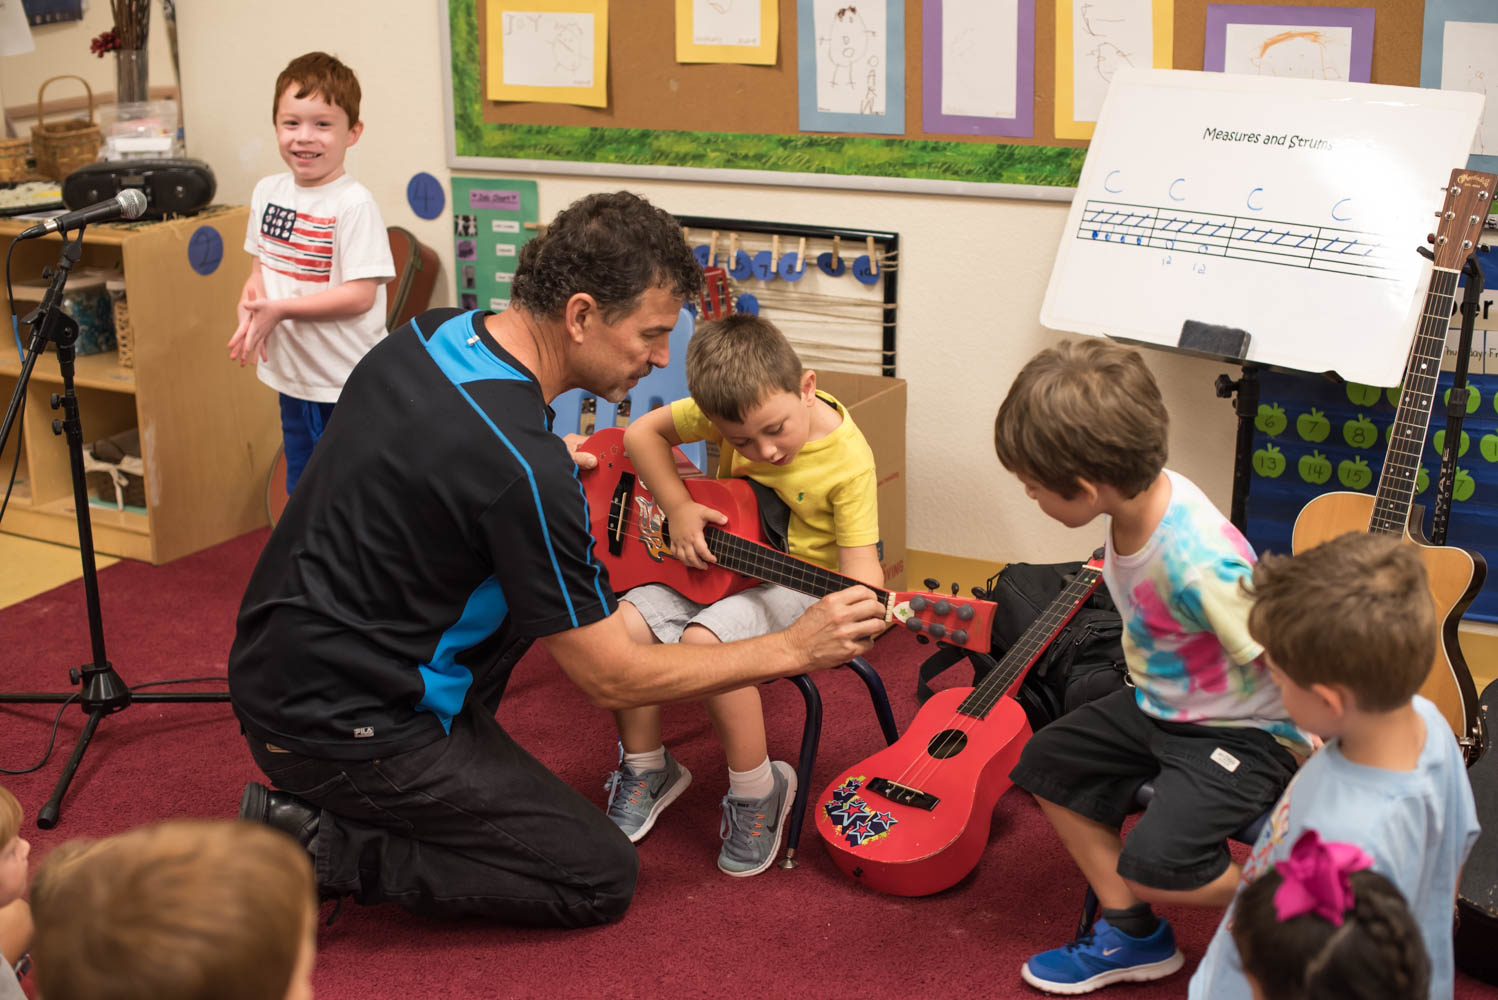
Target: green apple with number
(1360, 433)
(1269, 461)
(1271, 419)
(1393, 393)
(1463, 486)
(1313, 426)
(1461, 449)
(1354, 473)
(1474, 399)
(1315, 468)
(1488, 446)
(1362, 395)
(1422, 481)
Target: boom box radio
(171, 187)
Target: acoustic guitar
(913, 819)
(634, 543)
(1455, 574)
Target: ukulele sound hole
(947, 743)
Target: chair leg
(878, 696)
(811, 736)
(1089, 913)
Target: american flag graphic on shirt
(296, 244)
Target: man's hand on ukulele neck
(837, 628)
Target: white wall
(973, 270)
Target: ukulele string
(996, 685)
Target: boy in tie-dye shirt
(1084, 429)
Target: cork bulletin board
(738, 123)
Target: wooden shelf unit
(209, 429)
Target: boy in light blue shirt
(1349, 629)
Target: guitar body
(1456, 576)
(645, 553)
(908, 850)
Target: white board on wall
(1290, 209)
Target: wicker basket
(62, 147)
(13, 156)
(124, 343)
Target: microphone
(128, 204)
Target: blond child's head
(749, 382)
(15, 851)
(1353, 615)
(1083, 411)
(183, 910)
(316, 113)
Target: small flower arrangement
(108, 41)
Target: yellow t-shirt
(829, 486)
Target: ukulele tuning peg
(980, 593)
(954, 588)
(932, 583)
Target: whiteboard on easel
(1289, 209)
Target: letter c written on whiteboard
(1107, 186)
(1340, 218)
(1251, 206)
(1173, 195)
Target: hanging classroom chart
(1289, 209)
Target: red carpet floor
(691, 931)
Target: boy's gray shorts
(757, 611)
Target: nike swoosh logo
(1110, 951)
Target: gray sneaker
(752, 828)
(635, 800)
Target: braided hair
(1377, 953)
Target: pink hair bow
(1315, 878)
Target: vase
(132, 74)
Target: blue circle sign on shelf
(205, 250)
(425, 196)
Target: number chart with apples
(1314, 435)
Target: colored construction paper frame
(763, 54)
(932, 119)
(1433, 54)
(1359, 19)
(595, 95)
(892, 122)
(1162, 15)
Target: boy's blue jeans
(302, 423)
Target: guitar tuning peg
(954, 588)
(932, 583)
(980, 593)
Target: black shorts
(1210, 781)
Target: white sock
(755, 783)
(639, 763)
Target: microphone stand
(102, 691)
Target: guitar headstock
(956, 621)
(1469, 196)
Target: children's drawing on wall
(850, 41)
(1307, 43)
(1106, 35)
(726, 22)
(850, 64)
(979, 40)
(547, 49)
(1280, 50)
(1470, 62)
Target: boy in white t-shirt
(315, 299)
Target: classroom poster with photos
(490, 217)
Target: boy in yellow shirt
(752, 397)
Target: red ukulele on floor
(913, 819)
(634, 542)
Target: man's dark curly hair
(611, 246)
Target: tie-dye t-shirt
(1185, 622)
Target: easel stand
(1247, 408)
(102, 691)
(1456, 406)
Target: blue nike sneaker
(1103, 957)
